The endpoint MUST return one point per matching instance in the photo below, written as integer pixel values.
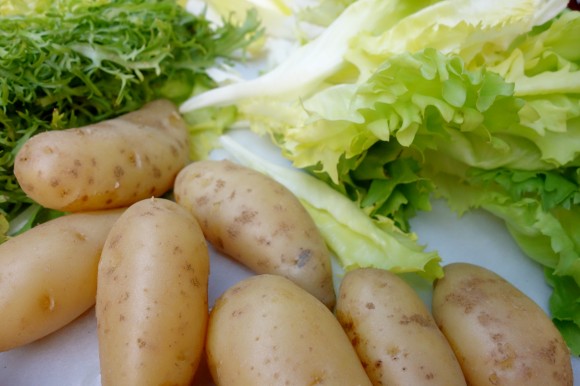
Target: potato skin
(48, 275)
(109, 164)
(152, 296)
(279, 334)
(258, 222)
(499, 335)
(393, 331)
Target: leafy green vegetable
(69, 63)
(565, 307)
(4, 226)
(477, 102)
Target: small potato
(393, 332)
(266, 330)
(258, 222)
(152, 297)
(48, 275)
(499, 335)
(110, 164)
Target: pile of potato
(143, 260)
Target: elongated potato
(258, 222)
(266, 330)
(48, 275)
(152, 296)
(393, 332)
(499, 335)
(110, 164)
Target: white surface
(69, 357)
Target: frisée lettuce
(69, 63)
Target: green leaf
(565, 308)
(571, 333)
(4, 225)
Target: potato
(499, 335)
(110, 164)
(393, 331)
(258, 222)
(266, 330)
(152, 296)
(48, 275)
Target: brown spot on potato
(469, 292)
(118, 171)
(262, 240)
(233, 231)
(114, 241)
(505, 356)
(317, 380)
(124, 297)
(132, 159)
(246, 216)
(283, 229)
(263, 263)
(202, 201)
(303, 257)
(64, 192)
(419, 319)
(393, 352)
(493, 379)
(460, 299)
(486, 319)
(549, 353)
(80, 236)
(195, 282)
(174, 151)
